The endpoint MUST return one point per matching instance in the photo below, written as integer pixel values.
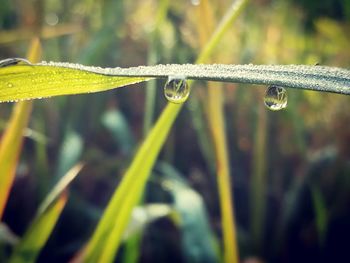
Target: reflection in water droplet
(195, 2)
(275, 98)
(51, 19)
(10, 85)
(176, 89)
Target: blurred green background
(290, 169)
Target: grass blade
(153, 57)
(258, 180)
(217, 124)
(144, 215)
(218, 132)
(115, 122)
(7, 236)
(321, 213)
(69, 153)
(198, 240)
(24, 81)
(12, 139)
(107, 237)
(48, 213)
(231, 15)
(39, 231)
(60, 187)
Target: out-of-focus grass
(304, 127)
(218, 132)
(38, 232)
(30, 245)
(11, 142)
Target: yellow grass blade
(13, 136)
(217, 127)
(47, 81)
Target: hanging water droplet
(176, 89)
(195, 2)
(275, 98)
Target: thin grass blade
(12, 138)
(258, 179)
(223, 173)
(107, 237)
(60, 187)
(198, 240)
(39, 231)
(48, 213)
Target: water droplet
(176, 89)
(275, 98)
(51, 19)
(195, 2)
(10, 85)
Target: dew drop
(176, 89)
(10, 85)
(51, 19)
(275, 98)
(195, 2)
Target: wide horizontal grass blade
(28, 81)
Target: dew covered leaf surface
(46, 79)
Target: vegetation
(137, 203)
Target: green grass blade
(116, 123)
(25, 81)
(48, 213)
(258, 180)
(144, 215)
(198, 240)
(69, 153)
(7, 236)
(60, 187)
(45, 80)
(153, 57)
(11, 141)
(37, 234)
(231, 15)
(321, 213)
(107, 237)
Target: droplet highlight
(13, 61)
(275, 98)
(195, 2)
(176, 89)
